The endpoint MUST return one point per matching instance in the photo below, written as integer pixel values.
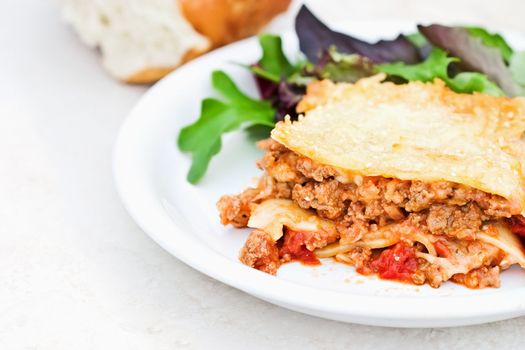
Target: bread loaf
(140, 41)
(225, 21)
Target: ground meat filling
(236, 210)
(482, 277)
(362, 204)
(449, 208)
(260, 252)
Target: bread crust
(225, 21)
(149, 75)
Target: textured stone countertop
(77, 273)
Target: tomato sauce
(442, 250)
(295, 248)
(517, 226)
(396, 263)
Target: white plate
(150, 176)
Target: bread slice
(141, 41)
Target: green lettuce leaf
(203, 138)
(273, 60)
(341, 67)
(436, 66)
(417, 39)
(474, 55)
(274, 65)
(492, 40)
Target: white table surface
(77, 273)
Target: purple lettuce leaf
(287, 99)
(340, 67)
(473, 54)
(315, 37)
(267, 88)
(283, 95)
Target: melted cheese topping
(415, 131)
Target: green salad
(466, 59)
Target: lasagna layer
(411, 182)
(301, 206)
(414, 131)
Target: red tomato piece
(397, 263)
(442, 249)
(517, 225)
(294, 246)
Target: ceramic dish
(150, 175)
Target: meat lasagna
(409, 182)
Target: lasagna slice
(409, 182)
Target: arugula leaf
(492, 40)
(436, 66)
(273, 65)
(278, 80)
(273, 60)
(203, 138)
(262, 73)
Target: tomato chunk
(517, 225)
(442, 249)
(396, 263)
(295, 248)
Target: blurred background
(76, 272)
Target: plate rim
(387, 311)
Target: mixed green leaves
(437, 66)
(340, 67)
(315, 37)
(279, 81)
(203, 138)
(475, 55)
(274, 64)
(467, 59)
(417, 39)
(492, 40)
